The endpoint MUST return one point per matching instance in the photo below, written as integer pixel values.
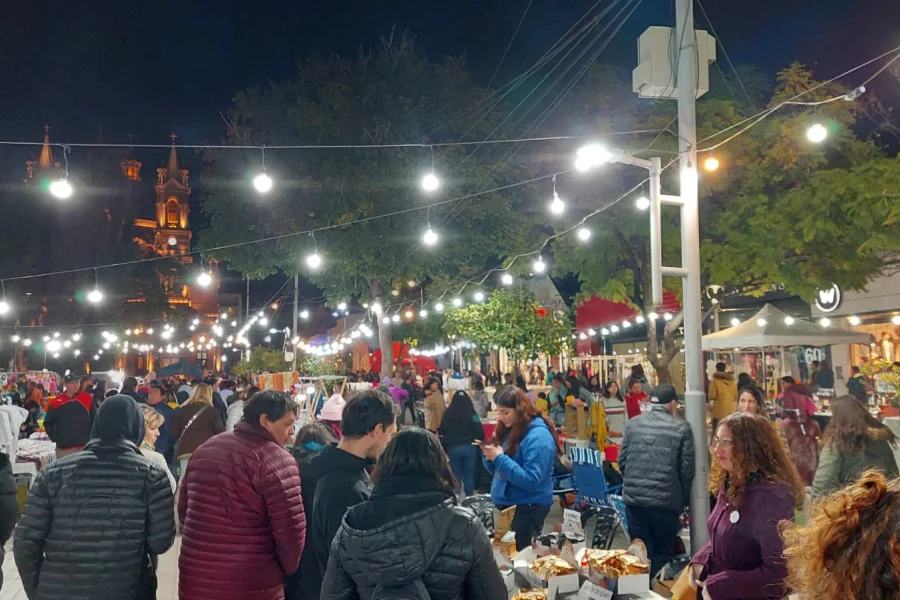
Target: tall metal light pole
(695, 399)
(296, 314)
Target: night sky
(127, 67)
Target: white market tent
(771, 328)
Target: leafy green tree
(262, 359)
(513, 320)
(391, 95)
(780, 210)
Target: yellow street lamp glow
(711, 163)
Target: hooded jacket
(798, 397)
(9, 505)
(93, 517)
(723, 392)
(337, 481)
(837, 468)
(244, 523)
(412, 529)
(657, 461)
(526, 476)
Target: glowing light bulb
(457, 302)
(506, 279)
(314, 261)
(711, 163)
(204, 279)
(430, 238)
(653, 316)
(895, 319)
(735, 322)
(816, 133)
(395, 318)
(430, 182)
(825, 322)
(789, 320)
(423, 313)
(304, 314)
(584, 234)
(95, 296)
(61, 188)
(479, 296)
(761, 322)
(642, 203)
(408, 314)
(4, 307)
(667, 317)
(342, 306)
(557, 206)
(539, 266)
(262, 183)
(854, 320)
(439, 307)
(172, 241)
(591, 156)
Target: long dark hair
(757, 395)
(415, 452)
(608, 385)
(851, 425)
(460, 413)
(573, 385)
(526, 412)
(520, 383)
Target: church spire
(173, 157)
(46, 158)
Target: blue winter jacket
(526, 476)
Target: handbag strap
(191, 422)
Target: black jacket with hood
(412, 528)
(9, 505)
(93, 517)
(334, 480)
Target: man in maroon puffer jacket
(241, 508)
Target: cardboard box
(663, 587)
(504, 522)
(526, 578)
(577, 422)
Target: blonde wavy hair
(850, 548)
(202, 395)
(757, 452)
(152, 418)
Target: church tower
(173, 233)
(44, 167)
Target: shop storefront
(875, 311)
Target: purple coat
(745, 560)
(399, 394)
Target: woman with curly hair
(757, 486)
(850, 548)
(854, 442)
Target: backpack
(413, 589)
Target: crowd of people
(363, 501)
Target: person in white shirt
(152, 422)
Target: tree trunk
(385, 337)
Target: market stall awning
(772, 328)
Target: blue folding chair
(590, 482)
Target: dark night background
(125, 67)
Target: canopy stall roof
(772, 328)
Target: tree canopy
(513, 320)
(780, 210)
(391, 95)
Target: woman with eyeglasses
(758, 487)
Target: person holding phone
(521, 458)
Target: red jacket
(242, 515)
(82, 397)
(633, 404)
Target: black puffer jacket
(93, 517)
(657, 461)
(9, 505)
(412, 528)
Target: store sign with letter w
(829, 299)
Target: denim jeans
(462, 462)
